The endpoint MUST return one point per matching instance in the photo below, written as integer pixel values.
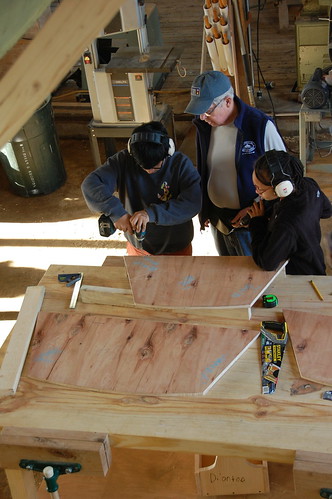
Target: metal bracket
(51, 470)
(326, 493)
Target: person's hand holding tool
(139, 220)
(257, 209)
(241, 219)
(124, 224)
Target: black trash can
(32, 159)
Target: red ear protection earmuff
(281, 181)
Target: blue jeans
(237, 243)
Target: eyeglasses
(212, 109)
(259, 190)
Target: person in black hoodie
(148, 187)
(292, 231)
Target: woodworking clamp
(269, 301)
(50, 470)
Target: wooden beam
(13, 361)
(91, 450)
(48, 58)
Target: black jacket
(292, 232)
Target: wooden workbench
(233, 419)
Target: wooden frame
(234, 419)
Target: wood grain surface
(228, 421)
(133, 356)
(311, 336)
(197, 281)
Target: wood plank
(190, 281)
(13, 361)
(91, 450)
(106, 295)
(133, 356)
(124, 298)
(311, 336)
(48, 58)
(58, 297)
(224, 425)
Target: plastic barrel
(32, 159)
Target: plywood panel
(197, 281)
(311, 336)
(132, 356)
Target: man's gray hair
(220, 98)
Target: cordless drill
(107, 228)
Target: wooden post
(22, 484)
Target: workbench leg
(303, 140)
(22, 484)
(94, 147)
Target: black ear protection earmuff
(281, 181)
(154, 137)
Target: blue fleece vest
(251, 123)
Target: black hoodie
(292, 232)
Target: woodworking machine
(121, 79)
(318, 91)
